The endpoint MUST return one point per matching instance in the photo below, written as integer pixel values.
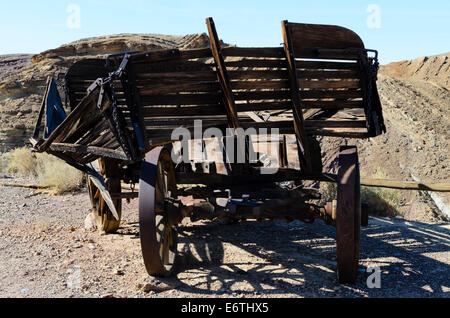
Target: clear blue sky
(403, 29)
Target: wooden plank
(195, 87)
(170, 123)
(314, 65)
(325, 74)
(253, 51)
(88, 102)
(308, 38)
(258, 74)
(261, 95)
(183, 111)
(333, 104)
(87, 71)
(201, 75)
(84, 135)
(199, 53)
(159, 55)
(180, 65)
(257, 63)
(300, 131)
(335, 123)
(98, 151)
(250, 85)
(211, 110)
(344, 54)
(222, 74)
(335, 133)
(181, 99)
(103, 140)
(329, 84)
(331, 93)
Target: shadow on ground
(299, 259)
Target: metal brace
(123, 64)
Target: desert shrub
(384, 202)
(329, 192)
(49, 171)
(55, 173)
(20, 161)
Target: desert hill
(433, 69)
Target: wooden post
(300, 131)
(222, 75)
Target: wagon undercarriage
(196, 131)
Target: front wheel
(158, 230)
(102, 215)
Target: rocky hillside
(22, 77)
(433, 69)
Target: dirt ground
(46, 252)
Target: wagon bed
(124, 110)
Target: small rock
(157, 284)
(77, 246)
(119, 272)
(89, 222)
(91, 246)
(24, 290)
(110, 295)
(72, 229)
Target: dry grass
(383, 202)
(20, 161)
(48, 170)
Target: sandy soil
(46, 252)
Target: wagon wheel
(157, 228)
(104, 219)
(348, 214)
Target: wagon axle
(243, 209)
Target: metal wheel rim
(158, 238)
(348, 214)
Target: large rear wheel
(348, 214)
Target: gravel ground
(46, 252)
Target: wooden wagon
(124, 111)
